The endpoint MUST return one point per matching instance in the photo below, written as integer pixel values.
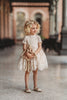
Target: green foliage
(42, 37)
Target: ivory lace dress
(40, 61)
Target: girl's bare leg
(35, 78)
(35, 81)
(26, 79)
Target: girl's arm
(24, 47)
(39, 48)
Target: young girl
(33, 57)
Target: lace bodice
(32, 40)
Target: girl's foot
(37, 89)
(27, 90)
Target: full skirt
(40, 62)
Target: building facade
(49, 13)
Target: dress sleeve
(24, 40)
(39, 39)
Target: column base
(64, 41)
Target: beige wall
(30, 14)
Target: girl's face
(33, 29)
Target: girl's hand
(30, 56)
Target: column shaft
(57, 18)
(65, 13)
(52, 20)
(2, 23)
(52, 25)
(6, 21)
(64, 29)
(8, 11)
(0, 18)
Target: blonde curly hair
(28, 25)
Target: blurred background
(52, 16)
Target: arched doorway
(20, 20)
(38, 18)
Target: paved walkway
(53, 81)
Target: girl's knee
(35, 71)
(26, 72)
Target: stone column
(14, 25)
(65, 15)
(51, 24)
(8, 11)
(0, 18)
(11, 25)
(2, 24)
(6, 35)
(52, 20)
(57, 31)
(64, 29)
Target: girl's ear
(28, 30)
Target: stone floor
(53, 81)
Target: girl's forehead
(34, 25)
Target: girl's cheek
(33, 30)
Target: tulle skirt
(40, 62)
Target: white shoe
(37, 89)
(27, 90)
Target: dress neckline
(33, 35)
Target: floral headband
(30, 22)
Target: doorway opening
(38, 18)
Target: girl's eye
(34, 28)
